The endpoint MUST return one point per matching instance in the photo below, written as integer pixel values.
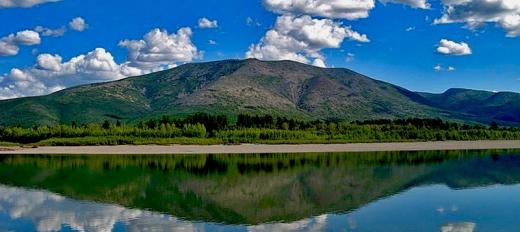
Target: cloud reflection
(459, 227)
(313, 224)
(49, 212)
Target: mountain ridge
(283, 88)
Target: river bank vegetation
(208, 129)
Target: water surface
(387, 191)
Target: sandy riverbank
(260, 148)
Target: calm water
(393, 191)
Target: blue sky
(423, 45)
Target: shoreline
(263, 148)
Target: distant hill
(230, 87)
(479, 105)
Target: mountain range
(281, 88)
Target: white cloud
(212, 42)
(421, 4)
(356, 36)
(22, 3)
(451, 69)
(27, 37)
(78, 24)
(47, 211)
(50, 74)
(158, 49)
(302, 38)
(448, 47)
(408, 29)
(10, 45)
(49, 62)
(346, 9)
(206, 23)
(44, 31)
(437, 68)
(474, 13)
(511, 23)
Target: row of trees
(251, 128)
(211, 122)
(214, 123)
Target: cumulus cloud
(421, 4)
(27, 37)
(206, 23)
(78, 24)
(10, 45)
(346, 9)
(302, 38)
(7, 47)
(475, 13)
(22, 3)
(448, 47)
(51, 74)
(49, 62)
(158, 49)
(339, 9)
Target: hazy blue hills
(282, 88)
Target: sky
(422, 45)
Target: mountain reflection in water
(45, 211)
(389, 191)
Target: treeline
(211, 129)
(210, 122)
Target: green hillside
(479, 105)
(282, 88)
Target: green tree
(106, 125)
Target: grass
(8, 144)
(116, 140)
(120, 140)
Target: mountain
(479, 105)
(230, 87)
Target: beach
(263, 148)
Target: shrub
(196, 131)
